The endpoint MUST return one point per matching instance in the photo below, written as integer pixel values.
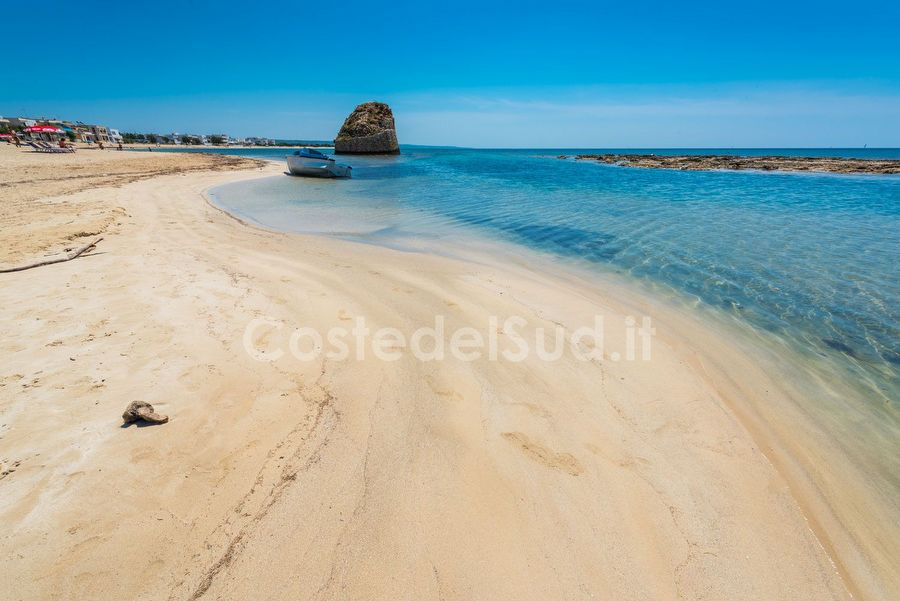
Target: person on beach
(120, 146)
(100, 144)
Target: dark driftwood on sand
(761, 163)
(60, 259)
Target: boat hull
(307, 167)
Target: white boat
(313, 163)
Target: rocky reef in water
(761, 163)
(369, 129)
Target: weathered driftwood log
(60, 259)
(141, 410)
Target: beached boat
(309, 162)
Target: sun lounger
(53, 148)
(47, 148)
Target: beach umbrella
(43, 129)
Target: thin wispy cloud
(737, 115)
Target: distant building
(177, 138)
(80, 131)
(101, 133)
(84, 134)
(21, 122)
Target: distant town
(53, 130)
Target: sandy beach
(359, 479)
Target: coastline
(747, 163)
(420, 460)
(177, 147)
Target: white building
(101, 133)
(20, 122)
(259, 142)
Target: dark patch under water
(564, 240)
(839, 346)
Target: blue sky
(561, 74)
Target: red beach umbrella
(43, 129)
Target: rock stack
(368, 130)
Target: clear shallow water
(811, 259)
(804, 265)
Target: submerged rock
(141, 410)
(760, 163)
(368, 130)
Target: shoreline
(215, 270)
(756, 417)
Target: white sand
(363, 479)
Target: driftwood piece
(66, 257)
(142, 410)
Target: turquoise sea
(806, 262)
(804, 266)
(811, 259)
